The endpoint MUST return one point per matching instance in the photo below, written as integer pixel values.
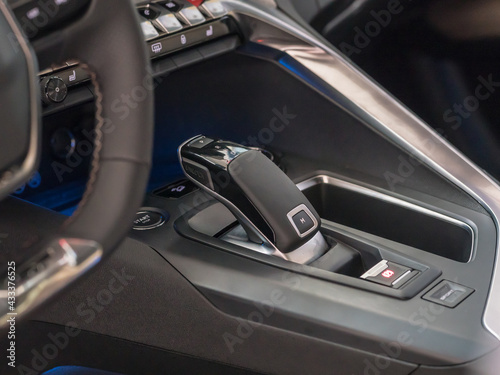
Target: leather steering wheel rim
(107, 41)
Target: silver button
(192, 15)
(215, 9)
(149, 30)
(170, 23)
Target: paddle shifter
(271, 209)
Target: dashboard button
(73, 76)
(170, 23)
(148, 12)
(35, 181)
(192, 16)
(387, 273)
(303, 222)
(54, 90)
(448, 294)
(149, 30)
(173, 6)
(201, 142)
(214, 8)
(188, 38)
(147, 220)
(39, 16)
(196, 3)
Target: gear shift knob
(264, 200)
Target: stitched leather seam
(95, 166)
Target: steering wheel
(107, 41)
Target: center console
(402, 257)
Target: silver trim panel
(324, 179)
(400, 278)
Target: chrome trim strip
(401, 278)
(369, 102)
(324, 179)
(354, 7)
(307, 253)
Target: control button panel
(448, 294)
(188, 38)
(390, 274)
(303, 222)
(162, 18)
(59, 87)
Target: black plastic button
(191, 37)
(148, 12)
(177, 190)
(390, 275)
(199, 173)
(303, 222)
(448, 294)
(201, 142)
(171, 5)
(146, 220)
(73, 76)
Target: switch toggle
(448, 294)
(389, 274)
